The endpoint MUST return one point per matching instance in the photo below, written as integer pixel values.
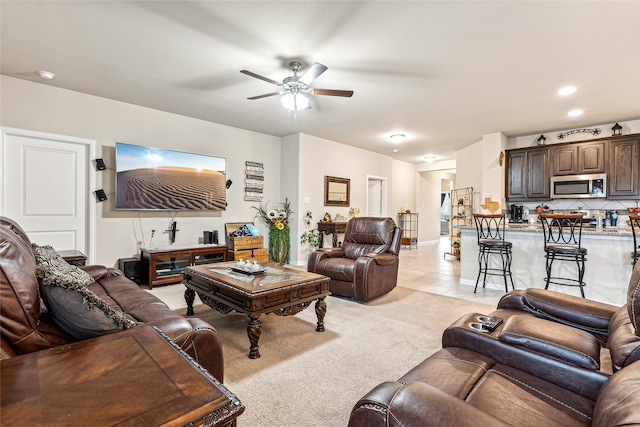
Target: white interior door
(376, 196)
(46, 185)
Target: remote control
(492, 323)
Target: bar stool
(490, 231)
(634, 220)
(563, 242)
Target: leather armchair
(366, 265)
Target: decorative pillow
(72, 306)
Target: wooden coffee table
(280, 290)
(130, 378)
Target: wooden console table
(333, 228)
(163, 266)
(133, 377)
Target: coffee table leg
(254, 329)
(189, 297)
(321, 309)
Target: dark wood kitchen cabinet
(575, 159)
(623, 169)
(528, 174)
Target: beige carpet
(307, 378)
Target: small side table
(333, 228)
(74, 257)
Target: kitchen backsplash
(590, 206)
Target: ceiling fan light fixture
(295, 102)
(397, 137)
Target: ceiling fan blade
(265, 95)
(312, 73)
(258, 76)
(332, 92)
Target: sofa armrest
(416, 404)
(206, 348)
(320, 254)
(382, 259)
(589, 315)
(99, 272)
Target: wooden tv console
(163, 266)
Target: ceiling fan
(295, 88)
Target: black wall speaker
(131, 268)
(100, 165)
(210, 237)
(101, 195)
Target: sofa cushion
(72, 306)
(19, 296)
(619, 399)
(624, 342)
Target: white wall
(493, 173)
(469, 171)
(319, 157)
(45, 108)
(403, 192)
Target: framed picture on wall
(336, 191)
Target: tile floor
(428, 269)
(424, 268)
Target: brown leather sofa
(556, 360)
(366, 265)
(26, 327)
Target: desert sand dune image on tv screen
(171, 188)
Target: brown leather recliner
(366, 265)
(26, 326)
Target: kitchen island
(607, 271)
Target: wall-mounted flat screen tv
(157, 179)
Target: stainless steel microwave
(579, 186)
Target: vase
(279, 245)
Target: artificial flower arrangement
(278, 222)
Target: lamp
(617, 130)
(397, 137)
(295, 101)
(541, 140)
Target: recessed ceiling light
(395, 150)
(397, 137)
(575, 113)
(429, 158)
(47, 75)
(567, 90)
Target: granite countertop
(606, 231)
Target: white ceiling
(443, 73)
